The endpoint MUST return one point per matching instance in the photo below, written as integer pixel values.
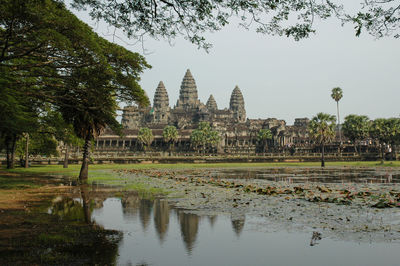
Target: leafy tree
(43, 144)
(170, 135)
(145, 137)
(262, 137)
(18, 115)
(322, 130)
(386, 131)
(62, 132)
(356, 128)
(168, 19)
(204, 137)
(50, 56)
(213, 139)
(89, 101)
(198, 139)
(395, 138)
(379, 18)
(39, 41)
(337, 94)
(51, 129)
(69, 139)
(90, 110)
(191, 18)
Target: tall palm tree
(337, 94)
(322, 130)
(145, 137)
(198, 140)
(170, 136)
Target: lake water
(155, 233)
(305, 174)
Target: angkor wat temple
(238, 133)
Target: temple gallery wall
(237, 132)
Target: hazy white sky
(280, 77)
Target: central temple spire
(236, 105)
(188, 97)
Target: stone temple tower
(211, 103)
(236, 105)
(161, 104)
(188, 98)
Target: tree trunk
(86, 203)
(84, 173)
(8, 154)
(66, 156)
(355, 146)
(338, 118)
(382, 153)
(27, 151)
(323, 155)
(393, 153)
(10, 150)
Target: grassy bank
(98, 170)
(104, 174)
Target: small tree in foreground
(387, 132)
(145, 137)
(262, 138)
(356, 128)
(198, 140)
(322, 130)
(204, 137)
(43, 144)
(170, 136)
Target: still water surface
(154, 233)
(305, 174)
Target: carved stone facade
(238, 133)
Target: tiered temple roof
(236, 104)
(161, 100)
(188, 97)
(211, 103)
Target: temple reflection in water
(143, 210)
(161, 218)
(160, 211)
(238, 223)
(189, 227)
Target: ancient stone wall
(236, 131)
